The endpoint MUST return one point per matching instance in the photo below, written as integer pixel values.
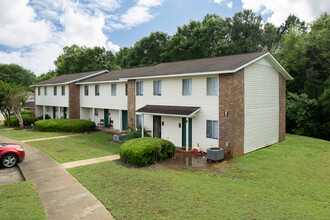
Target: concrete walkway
(49, 138)
(61, 194)
(90, 161)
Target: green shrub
(65, 125)
(42, 117)
(26, 112)
(147, 150)
(137, 133)
(27, 120)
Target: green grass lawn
(289, 180)
(78, 148)
(20, 201)
(28, 134)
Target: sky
(33, 32)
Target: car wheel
(9, 160)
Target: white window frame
(97, 90)
(55, 90)
(113, 89)
(138, 120)
(139, 88)
(157, 87)
(214, 83)
(63, 90)
(214, 129)
(187, 87)
(86, 90)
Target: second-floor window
(212, 84)
(139, 88)
(86, 90)
(157, 87)
(38, 90)
(63, 90)
(45, 91)
(113, 89)
(97, 90)
(55, 90)
(126, 89)
(186, 86)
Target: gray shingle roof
(222, 63)
(68, 78)
(169, 110)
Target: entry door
(124, 120)
(54, 112)
(184, 133)
(65, 114)
(106, 118)
(157, 130)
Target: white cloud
(140, 13)
(113, 47)
(229, 4)
(279, 10)
(218, 1)
(19, 26)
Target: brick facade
(282, 98)
(131, 103)
(231, 99)
(74, 101)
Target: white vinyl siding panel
(171, 130)
(172, 95)
(51, 100)
(261, 103)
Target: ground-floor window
(138, 120)
(96, 112)
(212, 129)
(47, 108)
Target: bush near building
(65, 125)
(147, 150)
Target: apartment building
(234, 102)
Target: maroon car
(11, 154)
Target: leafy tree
(270, 39)
(4, 107)
(75, 59)
(246, 32)
(49, 75)
(122, 57)
(291, 22)
(14, 73)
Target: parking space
(10, 175)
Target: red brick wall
(131, 103)
(282, 99)
(231, 99)
(74, 101)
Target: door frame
(123, 119)
(153, 125)
(184, 132)
(106, 118)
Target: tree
(291, 22)
(49, 75)
(246, 32)
(270, 39)
(4, 107)
(75, 59)
(14, 73)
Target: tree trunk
(20, 119)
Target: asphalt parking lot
(10, 175)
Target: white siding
(261, 97)
(50, 99)
(172, 95)
(171, 130)
(87, 114)
(104, 100)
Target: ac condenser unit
(215, 154)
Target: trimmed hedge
(65, 125)
(27, 120)
(147, 150)
(26, 112)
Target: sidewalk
(90, 161)
(56, 137)
(61, 194)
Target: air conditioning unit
(215, 154)
(119, 137)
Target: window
(157, 87)
(96, 112)
(139, 88)
(212, 129)
(55, 90)
(47, 108)
(113, 89)
(138, 120)
(212, 84)
(63, 90)
(38, 90)
(45, 91)
(186, 86)
(97, 90)
(86, 90)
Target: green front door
(184, 132)
(124, 119)
(54, 112)
(65, 114)
(106, 118)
